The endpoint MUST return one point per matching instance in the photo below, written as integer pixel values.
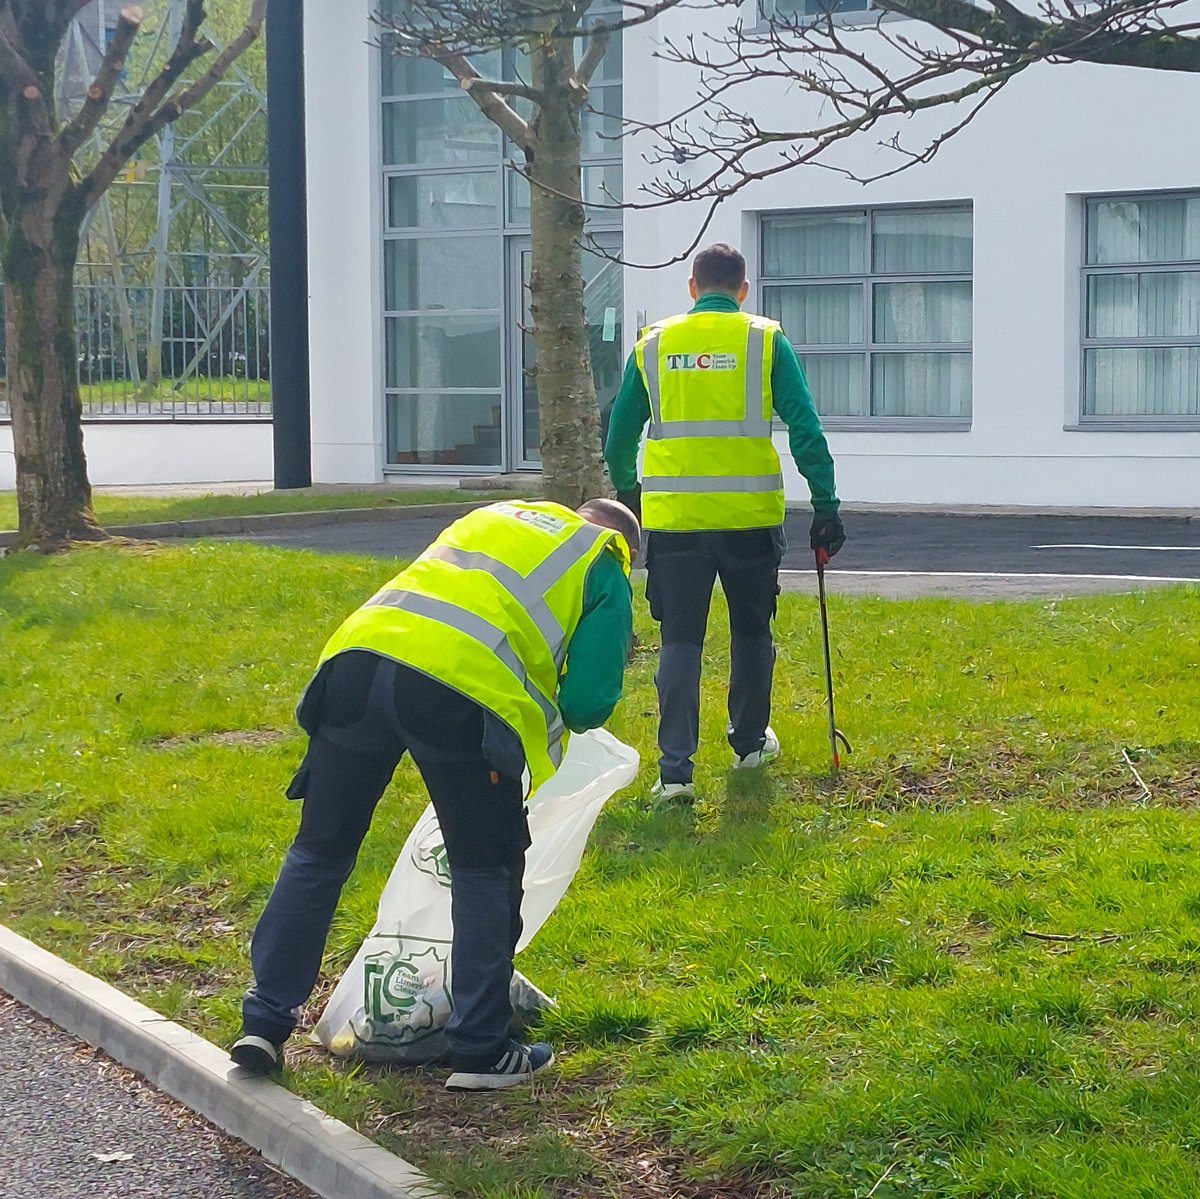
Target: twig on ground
(1133, 769)
(880, 1180)
(1097, 939)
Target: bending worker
(711, 499)
(462, 661)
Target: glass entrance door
(602, 307)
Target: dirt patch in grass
(616, 1162)
(1008, 775)
(235, 737)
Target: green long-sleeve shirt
(793, 405)
(598, 649)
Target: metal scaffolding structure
(172, 291)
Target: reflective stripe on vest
(704, 484)
(489, 610)
(528, 590)
(492, 638)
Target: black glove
(826, 535)
(632, 500)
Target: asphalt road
(910, 554)
(75, 1125)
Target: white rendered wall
(1055, 134)
(165, 453)
(344, 241)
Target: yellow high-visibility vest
(489, 609)
(709, 462)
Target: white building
(1017, 322)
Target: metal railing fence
(211, 356)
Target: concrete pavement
(77, 1125)
(902, 555)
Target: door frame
(513, 415)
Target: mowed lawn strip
(802, 988)
(134, 510)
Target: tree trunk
(54, 497)
(572, 463)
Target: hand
(632, 500)
(826, 536)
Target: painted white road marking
(1156, 549)
(989, 574)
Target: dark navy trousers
(681, 571)
(363, 712)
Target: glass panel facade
(453, 210)
(915, 242)
(1141, 335)
(840, 381)
(921, 385)
(1146, 229)
(1161, 381)
(444, 429)
(457, 201)
(441, 273)
(815, 244)
(923, 313)
(437, 131)
(819, 314)
(438, 351)
(849, 288)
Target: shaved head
(610, 514)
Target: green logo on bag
(433, 860)
(406, 987)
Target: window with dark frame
(453, 195)
(877, 302)
(1141, 309)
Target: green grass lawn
(803, 989)
(131, 510)
(196, 390)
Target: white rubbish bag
(393, 1002)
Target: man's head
(609, 514)
(719, 268)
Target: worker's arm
(795, 407)
(630, 412)
(599, 648)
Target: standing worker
(711, 499)
(514, 623)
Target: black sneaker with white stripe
(258, 1055)
(517, 1064)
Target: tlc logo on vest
(702, 362)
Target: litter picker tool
(835, 734)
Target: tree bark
(572, 462)
(54, 496)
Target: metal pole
(835, 734)
(288, 224)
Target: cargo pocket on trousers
(298, 787)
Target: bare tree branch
(594, 55)
(145, 120)
(490, 104)
(13, 64)
(871, 78)
(506, 87)
(100, 93)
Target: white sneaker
(760, 757)
(665, 794)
